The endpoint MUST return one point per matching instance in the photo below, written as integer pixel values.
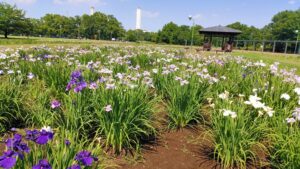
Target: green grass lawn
(285, 60)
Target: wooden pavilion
(227, 34)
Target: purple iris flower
(39, 137)
(93, 86)
(43, 164)
(67, 142)
(244, 75)
(44, 137)
(32, 134)
(75, 166)
(85, 158)
(80, 86)
(76, 75)
(8, 159)
(70, 84)
(77, 81)
(16, 144)
(55, 104)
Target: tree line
(102, 26)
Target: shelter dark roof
(219, 30)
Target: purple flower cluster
(15, 144)
(77, 82)
(8, 159)
(40, 137)
(84, 158)
(43, 164)
(15, 148)
(55, 104)
(75, 166)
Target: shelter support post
(274, 47)
(286, 46)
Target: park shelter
(227, 34)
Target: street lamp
(78, 33)
(296, 47)
(99, 31)
(193, 26)
(60, 26)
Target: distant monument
(138, 18)
(92, 10)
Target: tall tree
(169, 33)
(284, 24)
(248, 32)
(12, 20)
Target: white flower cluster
(296, 116)
(257, 104)
(230, 113)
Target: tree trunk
(5, 34)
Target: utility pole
(193, 27)
(77, 31)
(296, 47)
(60, 30)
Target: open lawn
(285, 60)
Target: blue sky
(156, 13)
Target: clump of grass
(184, 102)
(130, 119)
(286, 149)
(235, 139)
(12, 110)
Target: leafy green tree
(284, 24)
(12, 20)
(140, 35)
(248, 32)
(183, 35)
(198, 38)
(101, 26)
(150, 36)
(169, 33)
(131, 35)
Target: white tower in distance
(92, 10)
(138, 18)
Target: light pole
(193, 26)
(108, 21)
(296, 47)
(78, 26)
(60, 26)
(99, 31)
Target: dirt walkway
(174, 151)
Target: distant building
(92, 10)
(138, 24)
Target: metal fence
(278, 46)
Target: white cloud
(76, 2)
(150, 14)
(292, 2)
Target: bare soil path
(174, 150)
